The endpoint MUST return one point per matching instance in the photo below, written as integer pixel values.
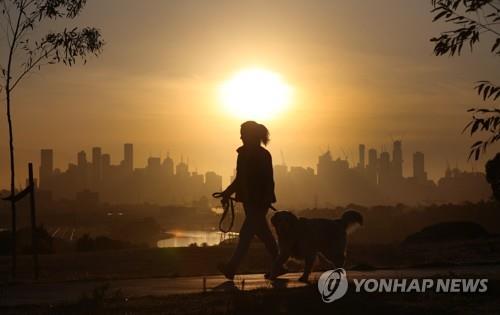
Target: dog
(303, 239)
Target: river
(183, 238)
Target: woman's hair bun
(256, 130)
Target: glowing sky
(362, 72)
(256, 94)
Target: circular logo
(332, 285)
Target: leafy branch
(472, 19)
(66, 46)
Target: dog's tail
(351, 217)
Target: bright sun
(255, 93)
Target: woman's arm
(270, 178)
(231, 189)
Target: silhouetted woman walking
(254, 187)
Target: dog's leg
(278, 263)
(336, 258)
(309, 261)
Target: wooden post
(13, 235)
(34, 232)
(204, 284)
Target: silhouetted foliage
(493, 175)
(472, 19)
(448, 231)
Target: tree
(473, 20)
(29, 51)
(493, 175)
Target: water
(183, 238)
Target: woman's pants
(255, 224)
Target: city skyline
(334, 180)
(363, 155)
(352, 155)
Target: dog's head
(284, 222)
(351, 219)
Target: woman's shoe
(225, 271)
(280, 272)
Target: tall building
(384, 169)
(154, 164)
(372, 159)
(96, 164)
(419, 166)
(168, 166)
(213, 182)
(371, 167)
(397, 159)
(106, 166)
(361, 156)
(83, 170)
(46, 167)
(324, 166)
(105, 160)
(128, 157)
(82, 159)
(280, 171)
(182, 169)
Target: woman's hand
(226, 195)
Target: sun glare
(255, 93)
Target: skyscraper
(105, 161)
(384, 169)
(371, 168)
(128, 157)
(106, 166)
(324, 166)
(96, 164)
(182, 169)
(397, 159)
(168, 166)
(213, 182)
(419, 166)
(81, 158)
(372, 159)
(46, 167)
(361, 156)
(154, 164)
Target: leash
(228, 206)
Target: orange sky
(362, 72)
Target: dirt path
(58, 292)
